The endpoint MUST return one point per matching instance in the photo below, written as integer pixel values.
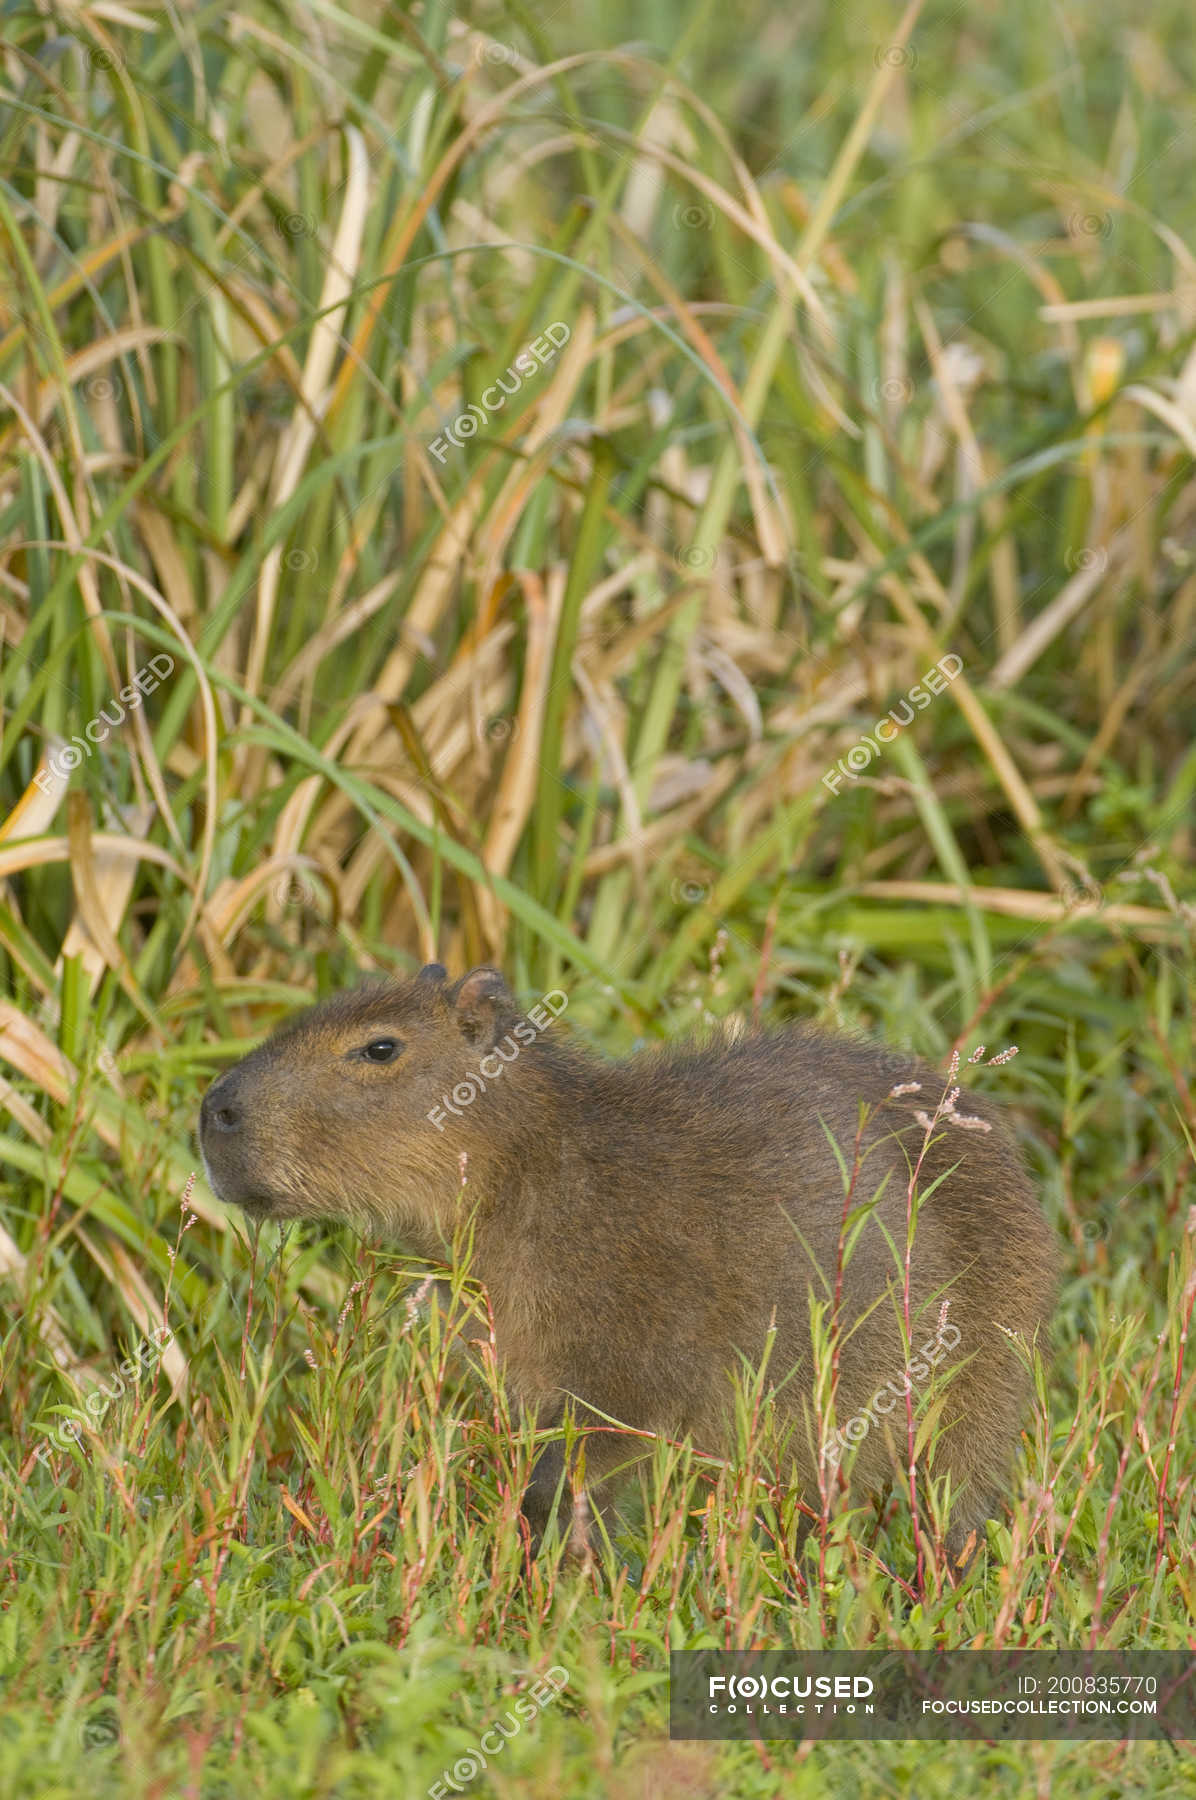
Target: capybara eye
(382, 1050)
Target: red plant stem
(911, 1189)
(1189, 1298)
(1102, 1551)
(824, 1479)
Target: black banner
(990, 1694)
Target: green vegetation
(875, 344)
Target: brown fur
(638, 1224)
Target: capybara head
(342, 1112)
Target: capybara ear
(433, 972)
(480, 999)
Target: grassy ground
(864, 339)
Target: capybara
(641, 1226)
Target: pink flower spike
(977, 1054)
(905, 1087)
(414, 1301)
(994, 1062)
(355, 1289)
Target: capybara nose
(220, 1111)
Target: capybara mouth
(258, 1206)
(254, 1201)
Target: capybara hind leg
(547, 1497)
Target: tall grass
(880, 350)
